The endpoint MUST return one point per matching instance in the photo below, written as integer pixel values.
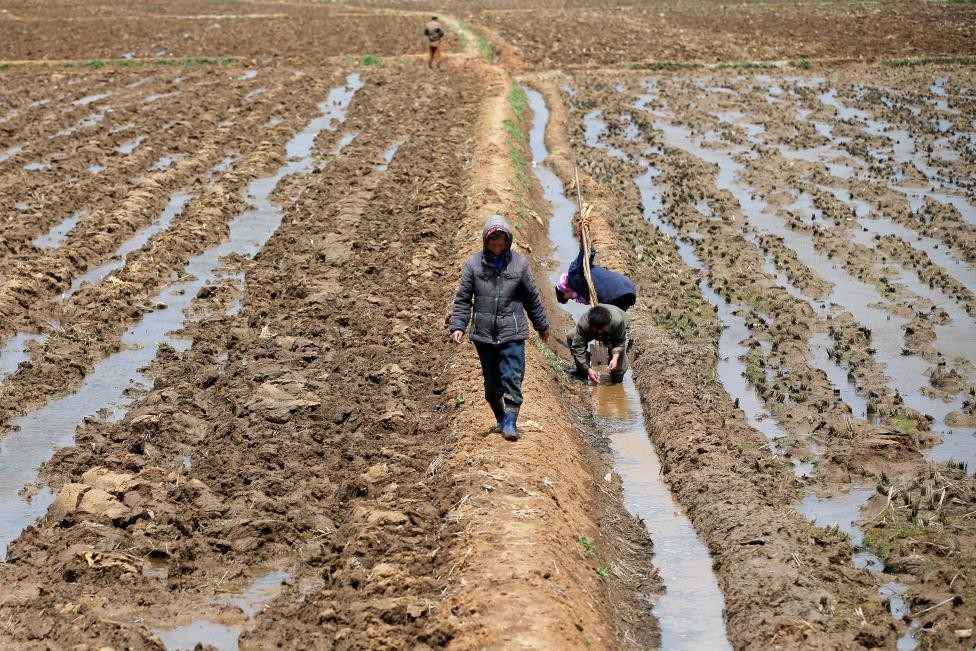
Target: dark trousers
(624, 302)
(503, 367)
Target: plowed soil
(621, 33)
(306, 463)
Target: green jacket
(615, 339)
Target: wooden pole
(585, 238)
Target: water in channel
(690, 613)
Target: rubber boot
(498, 408)
(509, 427)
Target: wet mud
(553, 35)
(278, 384)
(229, 413)
(856, 388)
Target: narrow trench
(34, 437)
(691, 612)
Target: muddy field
(266, 31)
(229, 411)
(825, 219)
(625, 33)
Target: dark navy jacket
(610, 286)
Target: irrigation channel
(690, 613)
(34, 437)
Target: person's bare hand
(457, 336)
(612, 366)
(544, 336)
(594, 376)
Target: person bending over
(611, 287)
(606, 324)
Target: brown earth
(147, 29)
(336, 373)
(716, 467)
(558, 34)
(329, 432)
(851, 450)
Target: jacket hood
(496, 223)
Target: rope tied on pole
(584, 233)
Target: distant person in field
(611, 287)
(606, 324)
(434, 34)
(498, 288)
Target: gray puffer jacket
(499, 296)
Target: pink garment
(563, 286)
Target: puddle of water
(38, 433)
(702, 206)
(690, 613)
(843, 511)
(222, 636)
(257, 92)
(37, 167)
(10, 152)
(388, 156)
(344, 142)
(820, 344)
(845, 113)
(248, 74)
(219, 636)
(90, 121)
(264, 589)
(176, 203)
(140, 82)
(87, 100)
(805, 468)
(593, 130)
(731, 369)
(96, 169)
(13, 353)
(58, 235)
(129, 147)
(158, 96)
(165, 162)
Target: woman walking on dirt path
(497, 285)
(434, 34)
